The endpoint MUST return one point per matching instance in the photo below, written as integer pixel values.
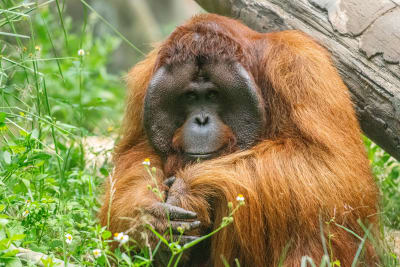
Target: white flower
(146, 162)
(28, 202)
(25, 213)
(117, 236)
(121, 237)
(96, 253)
(240, 198)
(68, 238)
(125, 239)
(81, 52)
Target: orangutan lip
(201, 156)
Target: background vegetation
(61, 101)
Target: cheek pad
(162, 111)
(242, 109)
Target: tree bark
(364, 39)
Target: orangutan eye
(212, 95)
(190, 96)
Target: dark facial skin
(202, 132)
(206, 103)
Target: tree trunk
(364, 39)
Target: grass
(56, 94)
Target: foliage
(387, 172)
(56, 92)
(52, 97)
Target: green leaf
(106, 234)
(15, 262)
(41, 155)
(2, 117)
(4, 242)
(104, 171)
(10, 253)
(17, 237)
(23, 133)
(26, 182)
(40, 163)
(18, 149)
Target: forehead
(208, 40)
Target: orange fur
(310, 166)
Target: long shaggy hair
(309, 168)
